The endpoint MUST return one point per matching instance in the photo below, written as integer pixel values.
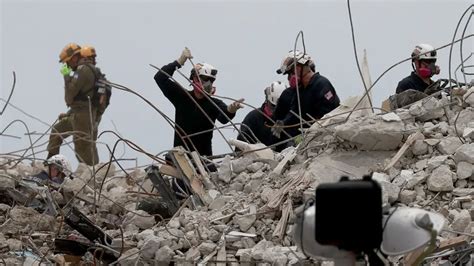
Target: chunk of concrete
(141, 219)
(407, 196)
(465, 116)
(193, 254)
(7, 182)
(391, 117)
(419, 147)
(246, 221)
(219, 202)
(164, 254)
(259, 249)
(449, 145)
(465, 153)
(415, 179)
(464, 170)
(441, 179)
(436, 161)
(461, 221)
(150, 247)
(207, 248)
(372, 133)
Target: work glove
(277, 128)
(65, 70)
(233, 107)
(185, 55)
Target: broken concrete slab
(391, 117)
(164, 255)
(246, 221)
(464, 170)
(419, 147)
(372, 133)
(465, 153)
(449, 145)
(461, 221)
(441, 179)
(140, 218)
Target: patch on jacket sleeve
(329, 95)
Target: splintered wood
(185, 165)
(298, 182)
(287, 211)
(410, 140)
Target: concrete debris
(372, 133)
(449, 145)
(441, 179)
(465, 153)
(433, 169)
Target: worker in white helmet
(58, 168)
(424, 66)
(317, 96)
(189, 117)
(255, 124)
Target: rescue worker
(188, 116)
(419, 84)
(317, 95)
(254, 124)
(104, 90)
(424, 67)
(80, 77)
(58, 169)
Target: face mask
(428, 71)
(269, 109)
(293, 80)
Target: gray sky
(245, 40)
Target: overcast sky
(245, 40)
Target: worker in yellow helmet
(104, 91)
(80, 78)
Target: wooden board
(185, 166)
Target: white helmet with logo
(287, 63)
(205, 70)
(424, 52)
(273, 92)
(61, 162)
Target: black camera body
(349, 214)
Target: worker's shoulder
(321, 80)
(86, 69)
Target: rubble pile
(422, 156)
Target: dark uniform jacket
(188, 116)
(413, 82)
(316, 99)
(254, 126)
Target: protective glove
(65, 70)
(277, 128)
(185, 55)
(233, 107)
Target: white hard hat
(205, 70)
(61, 162)
(424, 52)
(273, 92)
(404, 230)
(287, 63)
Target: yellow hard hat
(68, 52)
(88, 51)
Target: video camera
(347, 222)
